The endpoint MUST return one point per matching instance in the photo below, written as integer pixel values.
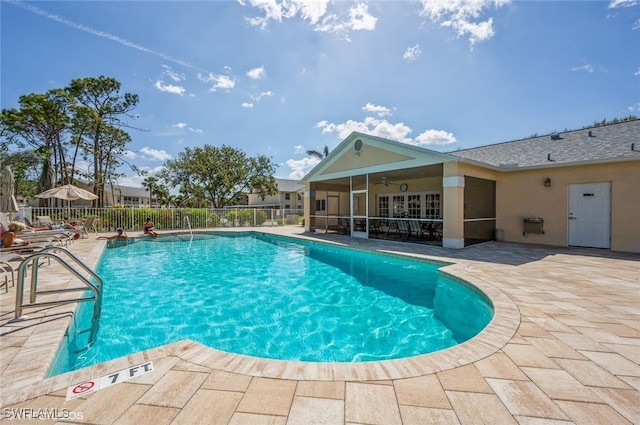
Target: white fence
(131, 219)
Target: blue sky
(279, 78)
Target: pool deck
(564, 348)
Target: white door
(590, 215)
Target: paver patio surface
(566, 351)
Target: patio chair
(343, 226)
(399, 228)
(89, 223)
(416, 228)
(436, 231)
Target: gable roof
(608, 143)
(377, 155)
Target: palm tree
(320, 155)
(150, 183)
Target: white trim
(453, 181)
(453, 243)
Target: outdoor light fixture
(547, 182)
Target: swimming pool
(271, 297)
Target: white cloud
(310, 11)
(130, 154)
(261, 95)
(623, 3)
(182, 126)
(135, 180)
(247, 105)
(315, 12)
(370, 125)
(412, 53)
(257, 73)
(359, 19)
(172, 74)
(155, 154)
(219, 82)
(169, 88)
(383, 128)
(462, 16)
(298, 149)
(434, 137)
(588, 68)
(637, 73)
(381, 111)
(300, 167)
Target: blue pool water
(272, 297)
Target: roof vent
(357, 146)
(555, 136)
(591, 134)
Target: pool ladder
(187, 225)
(54, 252)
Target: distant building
(289, 196)
(115, 196)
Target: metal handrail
(34, 259)
(188, 225)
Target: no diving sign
(103, 382)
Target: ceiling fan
(385, 182)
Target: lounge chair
(7, 268)
(47, 236)
(44, 220)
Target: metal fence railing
(132, 219)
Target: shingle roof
(285, 185)
(597, 144)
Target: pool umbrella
(8, 203)
(69, 193)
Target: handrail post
(96, 289)
(34, 279)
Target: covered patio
(370, 187)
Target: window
(414, 209)
(287, 196)
(414, 205)
(432, 205)
(398, 206)
(321, 205)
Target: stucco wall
(523, 194)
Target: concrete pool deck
(564, 348)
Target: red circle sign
(84, 387)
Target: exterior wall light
(547, 182)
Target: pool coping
(498, 332)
